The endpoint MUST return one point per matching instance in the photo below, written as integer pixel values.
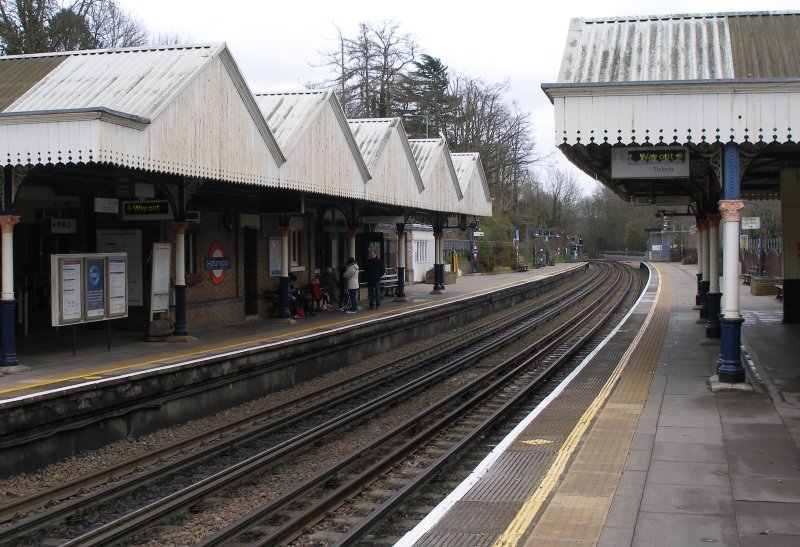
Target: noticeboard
(88, 287)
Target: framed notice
(275, 257)
(88, 287)
(70, 291)
(117, 287)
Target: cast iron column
(713, 297)
(438, 266)
(180, 328)
(698, 299)
(706, 282)
(729, 365)
(401, 261)
(283, 289)
(8, 306)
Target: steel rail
(143, 518)
(80, 485)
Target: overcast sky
(278, 44)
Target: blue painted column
(283, 289)
(705, 283)
(729, 364)
(698, 297)
(8, 306)
(438, 264)
(181, 328)
(714, 296)
(401, 262)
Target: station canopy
(646, 104)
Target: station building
(122, 150)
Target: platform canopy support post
(438, 264)
(181, 328)
(401, 261)
(698, 297)
(713, 296)
(284, 288)
(8, 306)
(729, 364)
(705, 283)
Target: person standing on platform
(474, 258)
(375, 270)
(351, 276)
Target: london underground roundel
(217, 263)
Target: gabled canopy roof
(384, 146)
(187, 111)
(322, 155)
(472, 179)
(162, 94)
(442, 190)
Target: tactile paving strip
(587, 489)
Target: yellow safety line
(524, 517)
(127, 365)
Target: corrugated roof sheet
(289, 114)
(138, 81)
(682, 47)
(425, 152)
(372, 135)
(464, 163)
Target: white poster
(159, 297)
(130, 242)
(117, 287)
(275, 257)
(71, 294)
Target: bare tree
(369, 68)
(113, 27)
(564, 194)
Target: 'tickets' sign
(217, 263)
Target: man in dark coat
(374, 271)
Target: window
(295, 238)
(190, 252)
(420, 251)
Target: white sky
(277, 44)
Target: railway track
(275, 436)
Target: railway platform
(47, 360)
(662, 455)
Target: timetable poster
(71, 290)
(117, 287)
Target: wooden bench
(749, 275)
(521, 267)
(779, 296)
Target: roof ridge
(667, 16)
(106, 51)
